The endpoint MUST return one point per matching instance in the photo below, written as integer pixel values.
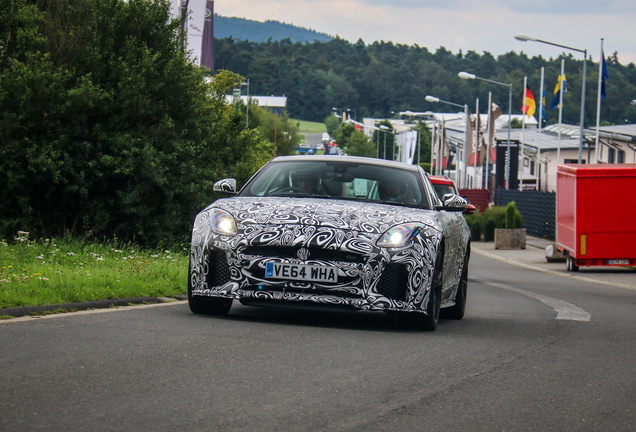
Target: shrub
(489, 229)
(513, 218)
(498, 214)
(475, 230)
(475, 223)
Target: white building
(275, 104)
(542, 149)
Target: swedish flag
(557, 91)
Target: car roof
(441, 180)
(351, 159)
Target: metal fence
(537, 208)
(480, 198)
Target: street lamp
(466, 75)
(525, 38)
(385, 129)
(247, 120)
(355, 114)
(462, 180)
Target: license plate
(301, 272)
(618, 262)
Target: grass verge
(49, 272)
(307, 127)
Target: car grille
(218, 269)
(297, 290)
(393, 282)
(315, 253)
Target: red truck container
(596, 214)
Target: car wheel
(428, 321)
(207, 305)
(570, 266)
(458, 310)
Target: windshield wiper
(401, 204)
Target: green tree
(359, 145)
(332, 122)
(384, 77)
(385, 139)
(279, 130)
(353, 141)
(107, 127)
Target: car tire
(204, 305)
(457, 311)
(428, 321)
(570, 266)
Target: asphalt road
(535, 352)
(313, 139)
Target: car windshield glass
(339, 180)
(443, 189)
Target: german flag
(530, 106)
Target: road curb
(97, 304)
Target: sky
(466, 25)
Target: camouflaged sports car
(343, 231)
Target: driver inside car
(305, 180)
(392, 191)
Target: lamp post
(525, 38)
(466, 75)
(355, 115)
(247, 120)
(385, 129)
(462, 180)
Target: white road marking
(564, 310)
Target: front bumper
(369, 277)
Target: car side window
(434, 199)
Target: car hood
(373, 218)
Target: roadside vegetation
(67, 270)
(109, 129)
(308, 127)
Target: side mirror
(470, 209)
(226, 186)
(454, 203)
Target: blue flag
(604, 74)
(557, 91)
(543, 103)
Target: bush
(500, 217)
(475, 223)
(513, 218)
(498, 214)
(110, 130)
(475, 230)
(489, 229)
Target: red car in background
(445, 185)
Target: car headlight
(222, 222)
(399, 235)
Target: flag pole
(485, 181)
(433, 138)
(476, 142)
(542, 95)
(541, 114)
(524, 110)
(598, 101)
(560, 109)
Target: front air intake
(393, 282)
(218, 270)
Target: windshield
(443, 189)
(338, 180)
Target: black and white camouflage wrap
(308, 225)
